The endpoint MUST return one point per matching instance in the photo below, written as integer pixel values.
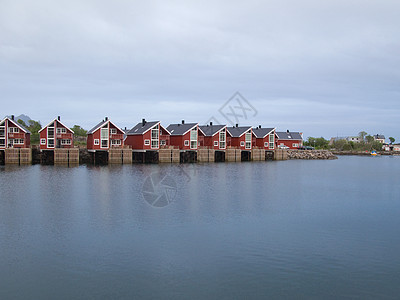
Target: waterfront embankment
(367, 153)
(310, 154)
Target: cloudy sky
(326, 68)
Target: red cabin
(104, 136)
(148, 136)
(13, 134)
(241, 137)
(289, 140)
(184, 135)
(56, 135)
(213, 136)
(264, 138)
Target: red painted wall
(289, 143)
(179, 141)
(137, 141)
(260, 142)
(57, 137)
(97, 136)
(19, 135)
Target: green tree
(79, 131)
(362, 135)
(34, 127)
(392, 140)
(22, 123)
(369, 139)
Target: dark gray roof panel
(97, 126)
(210, 130)
(284, 135)
(237, 131)
(180, 129)
(262, 132)
(140, 129)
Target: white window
(154, 137)
(2, 131)
(63, 142)
(61, 130)
(216, 143)
(69, 142)
(113, 131)
(96, 141)
(13, 129)
(222, 139)
(271, 141)
(266, 145)
(18, 141)
(163, 142)
(2, 142)
(43, 141)
(295, 145)
(242, 143)
(50, 143)
(193, 138)
(187, 143)
(115, 142)
(248, 139)
(146, 142)
(104, 137)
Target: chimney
(125, 128)
(12, 117)
(183, 121)
(143, 122)
(259, 126)
(237, 124)
(106, 119)
(287, 131)
(210, 123)
(58, 118)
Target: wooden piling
(232, 155)
(25, 156)
(127, 156)
(12, 156)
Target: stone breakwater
(310, 154)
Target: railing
(117, 136)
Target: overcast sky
(325, 68)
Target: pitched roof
(180, 129)
(238, 131)
(101, 124)
(210, 130)
(379, 136)
(284, 135)
(262, 132)
(141, 129)
(54, 120)
(16, 124)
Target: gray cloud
(324, 68)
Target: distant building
(56, 135)
(13, 134)
(379, 138)
(241, 137)
(184, 135)
(147, 136)
(290, 139)
(213, 136)
(264, 138)
(104, 136)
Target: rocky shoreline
(365, 153)
(310, 154)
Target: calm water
(292, 230)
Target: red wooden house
(184, 135)
(213, 136)
(265, 138)
(147, 136)
(240, 137)
(104, 136)
(13, 134)
(56, 135)
(289, 140)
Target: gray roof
(140, 129)
(379, 136)
(261, 132)
(210, 130)
(238, 131)
(180, 129)
(97, 126)
(17, 124)
(284, 135)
